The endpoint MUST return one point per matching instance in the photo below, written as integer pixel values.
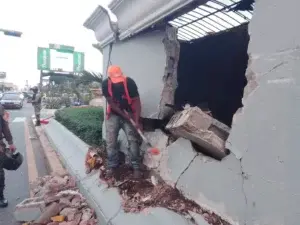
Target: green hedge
(86, 123)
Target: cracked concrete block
(216, 186)
(175, 159)
(195, 125)
(158, 139)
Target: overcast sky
(43, 22)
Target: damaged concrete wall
(265, 133)
(258, 183)
(143, 58)
(172, 49)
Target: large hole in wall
(211, 73)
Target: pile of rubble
(151, 191)
(56, 201)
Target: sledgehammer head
(154, 151)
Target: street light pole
(12, 33)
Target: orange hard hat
(114, 70)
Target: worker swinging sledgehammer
(123, 100)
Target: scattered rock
(64, 204)
(50, 211)
(69, 213)
(86, 214)
(53, 223)
(76, 201)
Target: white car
(11, 100)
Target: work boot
(3, 201)
(113, 173)
(38, 123)
(137, 174)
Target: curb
(106, 201)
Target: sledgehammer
(151, 149)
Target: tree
(89, 77)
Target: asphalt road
(17, 182)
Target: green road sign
(78, 65)
(62, 48)
(62, 59)
(43, 57)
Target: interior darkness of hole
(211, 72)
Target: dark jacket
(4, 128)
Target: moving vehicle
(13, 100)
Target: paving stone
(175, 160)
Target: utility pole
(12, 33)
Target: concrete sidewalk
(106, 201)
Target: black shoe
(137, 174)
(3, 203)
(113, 173)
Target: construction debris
(199, 127)
(151, 191)
(92, 161)
(56, 201)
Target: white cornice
(131, 20)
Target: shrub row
(86, 123)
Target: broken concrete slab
(213, 184)
(175, 159)
(158, 139)
(29, 209)
(195, 125)
(50, 211)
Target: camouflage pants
(113, 125)
(37, 111)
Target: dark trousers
(2, 175)
(113, 125)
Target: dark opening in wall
(211, 72)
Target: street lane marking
(32, 169)
(19, 119)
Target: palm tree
(88, 77)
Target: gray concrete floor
(17, 184)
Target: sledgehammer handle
(139, 131)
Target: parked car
(12, 100)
